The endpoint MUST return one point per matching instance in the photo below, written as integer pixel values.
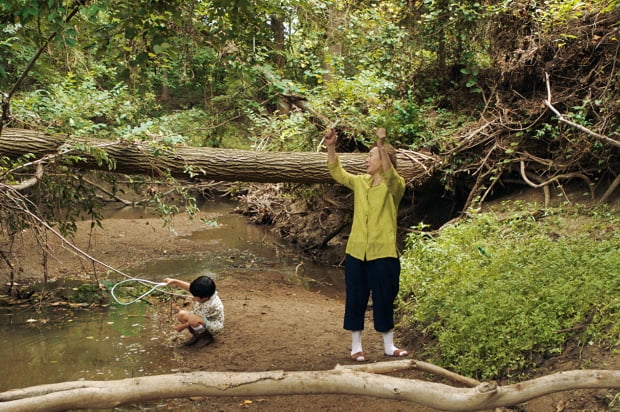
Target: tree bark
(197, 163)
(341, 380)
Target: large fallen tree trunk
(143, 158)
(341, 380)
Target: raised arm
(386, 163)
(330, 141)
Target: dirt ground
(271, 324)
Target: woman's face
(373, 161)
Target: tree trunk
(199, 163)
(341, 380)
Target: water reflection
(67, 345)
(120, 342)
(231, 242)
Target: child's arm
(176, 282)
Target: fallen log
(182, 162)
(341, 380)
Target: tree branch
(110, 394)
(554, 178)
(561, 118)
(19, 203)
(613, 186)
(38, 174)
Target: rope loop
(154, 286)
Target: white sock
(388, 342)
(356, 341)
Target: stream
(49, 346)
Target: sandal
(398, 353)
(359, 357)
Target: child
(207, 317)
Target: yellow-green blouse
(373, 232)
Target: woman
(371, 262)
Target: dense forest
(505, 93)
(484, 97)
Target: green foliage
(449, 28)
(87, 293)
(196, 126)
(63, 198)
(562, 12)
(419, 125)
(9, 46)
(167, 210)
(360, 102)
(375, 42)
(287, 134)
(500, 293)
(79, 107)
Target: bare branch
(110, 394)
(20, 203)
(603, 138)
(554, 179)
(38, 174)
(612, 187)
(399, 365)
(107, 192)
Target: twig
(320, 145)
(555, 178)
(561, 118)
(107, 192)
(613, 186)
(470, 136)
(299, 265)
(38, 174)
(72, 247)
(413, 159)
(394, 366)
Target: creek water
(47, 346)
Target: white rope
(144, 282)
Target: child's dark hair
(202, 286)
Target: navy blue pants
(379, 277)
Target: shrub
(498, 295)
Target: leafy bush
(78, 106)
(499, 295)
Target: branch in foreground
(20, 203)
(393, 366)
(109, 394)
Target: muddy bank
(273, 322)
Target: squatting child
(207, 317)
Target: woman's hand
(331, 137)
